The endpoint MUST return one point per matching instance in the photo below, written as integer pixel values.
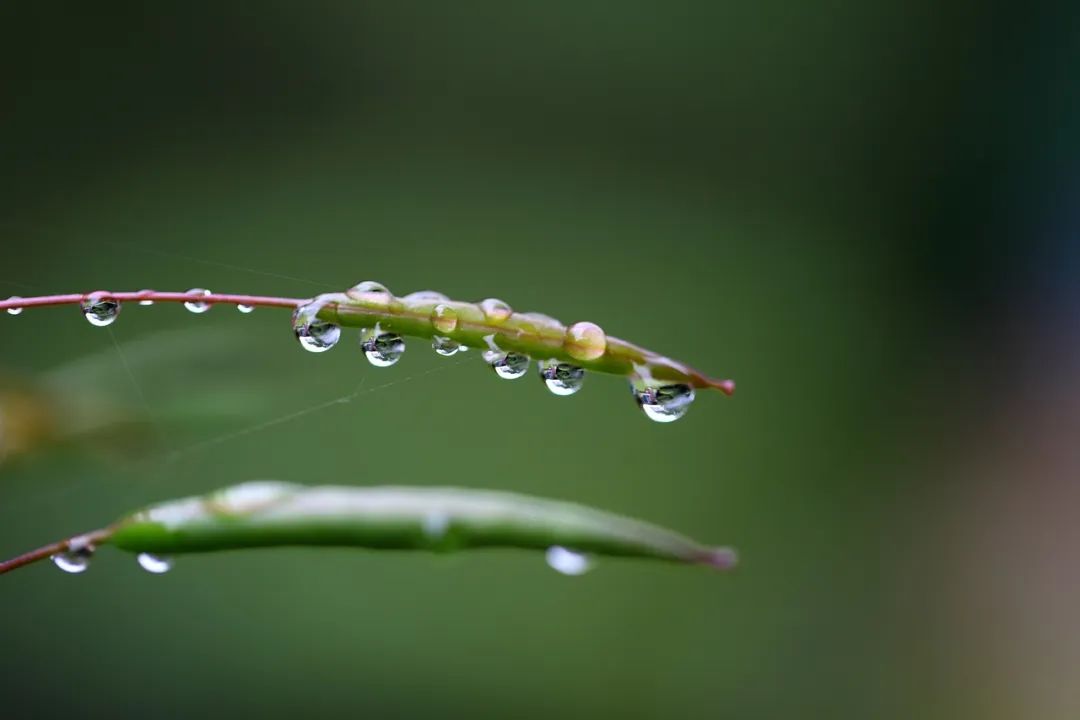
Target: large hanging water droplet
(508, 366)
(444, 318)
(73, 561)
(14, 310)
(561, 378)
(496, 310)
(383, 349)
(246, 309)
(445, 346)
(315, 335)
(100, 309)
(664, 403)
(566, 561)
(146, 301)
(197, 306)
(154, 563)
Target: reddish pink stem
(91, 538)
(176, 297)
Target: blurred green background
(861, 212)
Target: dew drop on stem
(444, 318)
(314, 335)
(73, 561)
(154, 563)
(585, 341)
(495, 310)
(146, 301)
(662, 403)
(566, 561)
(245, 309)
(14, 310)
(383, 349)
(194, 305)
(426, 296)
(445, 346)
(507, 365)
(561, 378)
(99, 309)
(368, 286)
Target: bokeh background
(864, 213)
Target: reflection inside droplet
(664, 403)
(384, 349)
(99, 309)
(561, 378)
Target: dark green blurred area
(803, 198)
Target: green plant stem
(539, 336)
(273, 514)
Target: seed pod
(266, 514)
(493, 324)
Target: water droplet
(368, 286)
(585, 341)
(100, 309)
(383, 349)
(496, 310)
(245, 308)
(445, 346)
(154, 563)
(561, 378)
(435, 525)
(426, 296)
(315, 335)
(15, 310)
(196, 306)
(508, 366)
(73, 561)
(146, 302)
(664, 403)
(566, 561)
(371, 293)
(444, 318)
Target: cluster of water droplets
(101, 308)
(76, 558)
(583, 341)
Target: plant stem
(155, 296)
(538, 336)
(45, 551)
